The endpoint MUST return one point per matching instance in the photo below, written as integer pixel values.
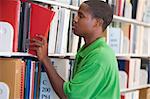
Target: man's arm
(56, 81)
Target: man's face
(83, 22)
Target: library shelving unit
(116, 19)
(72, 55)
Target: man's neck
(90, 40)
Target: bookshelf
(127, 56)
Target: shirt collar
(84, 51)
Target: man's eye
(81, 16)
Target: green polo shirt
(95, 74)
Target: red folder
(40, 20)
(10, 12)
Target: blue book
(36, 80)
(27, 79)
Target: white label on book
(46, 91)
(6, 37)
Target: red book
(10, 12)
(40, 20)
(22, 80)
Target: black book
(23, 42)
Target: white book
(135, 39)
(32, 80)
(115, 39)
(146, 18)
(140, 38)
(145, 41)
(6, 37)
(123, 79)
(53, 32)
(72, 38)
(64, 1)
(61, 43)
(75, 41)
(128, 9)
(75, 2)
(148, 41)
(144, 77)
(125, 47)
(46, 90)
(62, 67)
(134, 76)
(140, 9)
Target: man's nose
(76, 18)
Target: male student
(95, 74)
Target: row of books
(61, 37)
(21, 21)
(135, 9)
(27, 79)
(32, 19)
(63, 68)
(21, 76)
(129, 39)
(133, 73)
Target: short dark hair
(102, 10)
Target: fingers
(37, 42)
(42, 38)
(34, 48)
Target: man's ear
(100, 21)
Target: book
(24, 27)
(53, 31)
(134, 8)
(61, 42)
(40, 20)
(46, 90)
(72, 43)
(36, 80)
(11, 8)
(27, 79)
(11, 75)
(6, 36)
(115, 39)
(144, 93)
(62, 67)
(123, 66)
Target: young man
(95, 74)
